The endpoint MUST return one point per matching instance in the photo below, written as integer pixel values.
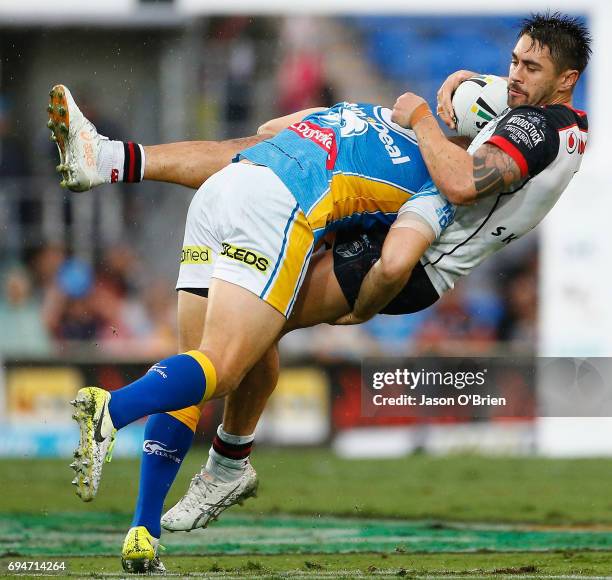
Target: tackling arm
(404, 245)
(275, 126)
(191, 163)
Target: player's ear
(568, 80)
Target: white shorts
(245, 227)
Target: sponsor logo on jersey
(446, 215)
(393, 151)
(535, 119)
(501, 231)
(324, 138)
(151, 447)
(574, 142)
(248, 257)
(353, 121)
(196, 255)
(384, 127)
(524, 131)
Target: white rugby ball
(477, 100)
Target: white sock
(111, 161)
(225, 468)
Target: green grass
(455, 488)
(538, 492)
(364, 565)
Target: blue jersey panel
(347, 163)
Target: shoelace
(200, 486)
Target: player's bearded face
(533, 75)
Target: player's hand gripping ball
(477, 100)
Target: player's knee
(227, 376)
(227, 382)
(229, 372)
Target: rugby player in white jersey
(512, 174)
(515, 169)
(520, 166)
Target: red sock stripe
(132, 164)
(232, 451)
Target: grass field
(319, 516)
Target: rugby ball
(477, 100)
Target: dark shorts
(355, 252)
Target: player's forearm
(276, 125)
(378, 288)
(450, 166)
(460, 141)
(404, 246)
(191, 163)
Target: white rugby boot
(139, 553)
(207, 497)
(78, 142)
(97, 439)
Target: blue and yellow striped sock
(173, 383)
(168, 438)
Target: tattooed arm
(464, 179)
(494, 171)
(461, 178)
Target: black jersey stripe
(475, 232)
(469, 237)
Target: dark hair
(567, 38)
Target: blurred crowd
(57, 304)
(55, 300)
